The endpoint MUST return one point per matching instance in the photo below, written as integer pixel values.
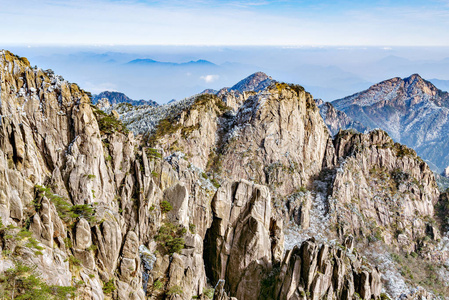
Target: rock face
(336, 120)
(413, 112)
(381, 189)
(239, 244)
(209, 193)
(270, 139)
(313, 272)
(446, 172)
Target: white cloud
(98, 88)
(210, 78)
(99, 22)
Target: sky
(235, 22)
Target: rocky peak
(254, 82)
(412, 110)
(408, 92)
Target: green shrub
(92, 247)
(215, 183)
(187, 131)
(158, 285)
(192, 228)
(66, 211)
(109, 287)
(153, 153)
(175, 290)
(109, 124)
(171, 238)
(166, 206)
(302, 189)
(73, 261)
(209, 292)
(22, 282)
(68, 243)
(384, 296)
(165, 127)
(83, 210)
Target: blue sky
(238, 22)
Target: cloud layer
(174, 22)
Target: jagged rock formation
(204, 197)
(117, 97)
(382, 190)
(413, 112)
(239, 242)
(315, 272)
(336, 120)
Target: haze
(332, 48)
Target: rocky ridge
(117, 97)
(205, 198)
(413, 112)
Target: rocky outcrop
(239, 245)
(312, 271)
(381, 190)
(276, 138)
(411, 110)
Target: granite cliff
(242, 194)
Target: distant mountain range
(441, 84)
(152, 62)
(117, 97)
(412, 110)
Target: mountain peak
(117, 97)
(414, 77)
(254, 82)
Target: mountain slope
(208, 196)
(255, 82)
(336, 120)
(412, 110)
(117, 97)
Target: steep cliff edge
(218, 191)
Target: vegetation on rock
(170, 238)
(23, 282)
